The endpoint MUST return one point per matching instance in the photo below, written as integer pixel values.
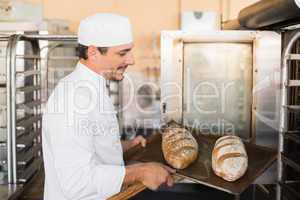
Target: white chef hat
(105, 30)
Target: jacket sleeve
(77, 172)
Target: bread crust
(179, 147)
(229, 158)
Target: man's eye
(122, 54)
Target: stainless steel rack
(23, 134)
(289, 138)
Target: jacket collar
(95, 79)
(89, 74)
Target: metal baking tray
(260, 158)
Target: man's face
(115, 61)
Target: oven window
(217, 88)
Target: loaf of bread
(179, 147)
(229, 158)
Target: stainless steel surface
(52, 37)
(263, 56)
(217, 86)
(13, 118)
(9, 110)
(266, 94)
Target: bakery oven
(224, 82)
(242, 81)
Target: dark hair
(82, 51)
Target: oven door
(218, 82)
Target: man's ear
(91, 52)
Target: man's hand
(151, 174)
(139, 140)
(156, 174)
(127, 144)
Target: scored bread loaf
(229, 158)
(179, 147)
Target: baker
(82, 150)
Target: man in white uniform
(83, 154)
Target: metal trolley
(289, 138)
(24, 114)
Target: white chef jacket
(82, 152)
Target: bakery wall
(148, 18)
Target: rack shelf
(293, 137)
(293, 57)
(28, 89)
(291, 190)
(292, 160)
(28, 73)
(26, 156)
(25, 141)
(30, 104)
(28, 121)
(24, 176)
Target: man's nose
(130, 59)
